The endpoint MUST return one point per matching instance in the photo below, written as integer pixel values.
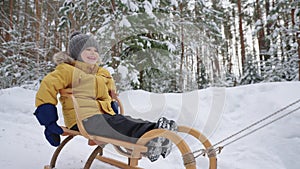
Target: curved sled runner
(134, 151)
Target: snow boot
(167, 144)
(154, 148)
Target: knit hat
(78, 42)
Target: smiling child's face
(90, 55)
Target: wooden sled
(133, 152)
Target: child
(91, 85)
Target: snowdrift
(217, 112)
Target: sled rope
(276, 119)
(212, 150)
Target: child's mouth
(91, 58)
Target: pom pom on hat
(78, 42)
(74, 34)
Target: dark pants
(118, 127)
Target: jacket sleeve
(60, 78)
(110, 83)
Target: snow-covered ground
(217, 112)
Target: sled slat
(116, 163)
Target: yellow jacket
(89, 84)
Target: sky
(216, 112)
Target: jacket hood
(63, 57)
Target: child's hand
(47, 116)
(113, 94)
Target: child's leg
(117, 126)
(128, 129)
(129, 126)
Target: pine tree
(272, 70)
(229, 80)
(251, 75)
(290, 68)
(18, 70)
(203, 80)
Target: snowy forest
(156, 45)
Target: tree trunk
(18, 14)
(228, 37)
(243, 53)
(11, 6)
(37, 34)
(37, 25)
(236, 43)
(268, 26)
(198, 68)
(113, 6)
(46, 27)
(297, 38)
(181, 61)
(298, 41)
(1, 20)
(261, 34)
(90, 26)
(115, 43)
(23, 31)
(182, 53)
(73, 22)
(57, 41)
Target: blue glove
(47, 116)
(115, 106)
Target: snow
(148, 9)
(131, 5)
(124, 22)
(123, 71)
(217, 112)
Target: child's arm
(46, 100)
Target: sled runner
(133, 151)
